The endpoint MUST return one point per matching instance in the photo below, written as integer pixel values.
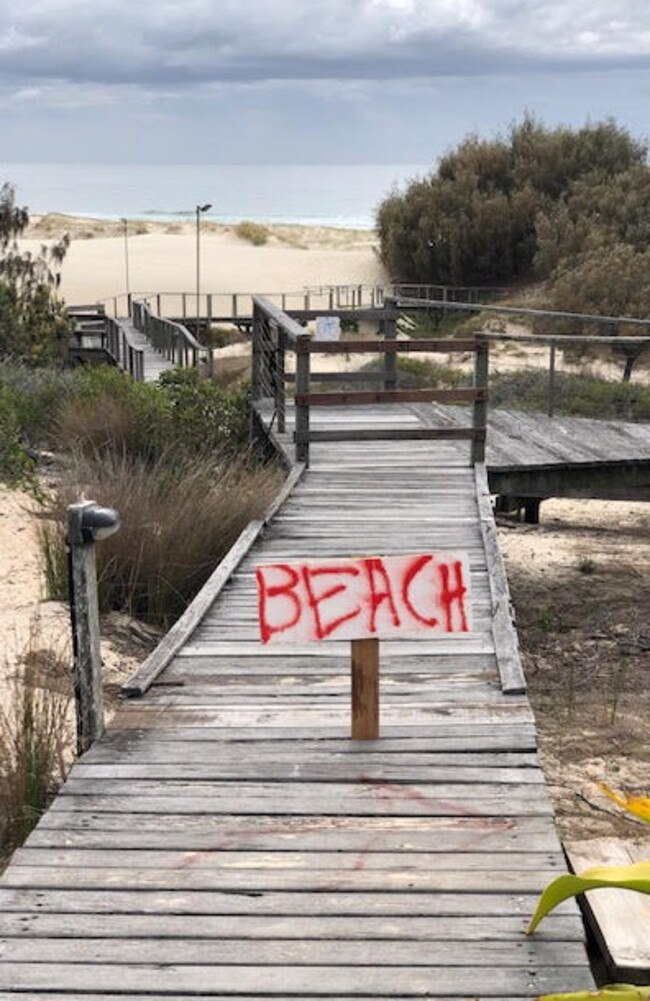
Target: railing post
(479, 410)
(184, 305)
(390, 357)
(551, 379)
(280, 405)
(302, 389)
(256, 347)
(85, 520)
(158, 311)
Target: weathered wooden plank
(619, 919)
(110, 831)
(215, 953)
(292, 771)
(297, 981)
(500, 928)
(392, 434)
(433, 345)
(352, 398)
(225, 860)
(448, 735)
(505, 638)
(315, 904)
(243, 881)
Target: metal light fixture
(200, 209)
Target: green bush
(34, 327)
(203, 414)
(16, 467)
(416, 373)
(255, 233)
(575, 395)
(475, 220)
(38, 395)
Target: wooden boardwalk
(153, 363)
(226, 838)
(530, 454)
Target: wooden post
(302, 410)
(551, 380)
(280, 403)
(479, 411)
(256, 348)
(365, 689)
(84, 614)
(390, 357)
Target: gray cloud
(163, 44)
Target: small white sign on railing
(328, 328)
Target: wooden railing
(172, 340)
(237, 306)
(275, 333)
(128, 355)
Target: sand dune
(164, 258)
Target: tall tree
(33, 325)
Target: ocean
(342, 195)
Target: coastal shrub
(203, 414)
(108, 412)
(33, 738)
(478, 218)
(606, 281)
(180, 515)
(575, 395)
(16, 466)
(253, 232)
(417, 373)
(38, 394)
(33, 325)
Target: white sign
(362, 598)
(328, 328)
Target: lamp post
(199, 210)
(125, 224)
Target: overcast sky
(332, 81)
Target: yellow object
(612, 992)
(639, 806)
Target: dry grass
(180, 515)
(34, 739)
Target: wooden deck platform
(226, 838)
(532, 455)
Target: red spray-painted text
(376, 596)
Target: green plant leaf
(623, 877)
(611, 992)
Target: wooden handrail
(440, 345)
(353, 399)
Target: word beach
(363, 598)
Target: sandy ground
(581, 587)
(162, 257)
(580, 582)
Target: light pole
(125, 223)
(199, 210)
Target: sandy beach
(162, 257)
